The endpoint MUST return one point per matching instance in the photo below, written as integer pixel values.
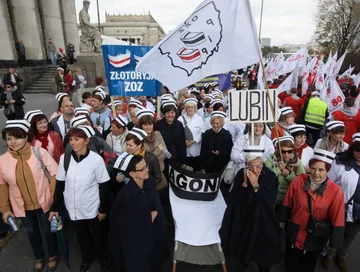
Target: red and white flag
(332, 94)
(219, 36)
(120, 60)
(299, 58)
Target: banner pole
(253, 133)
(271, 105)
(158, 106)
(113, 106)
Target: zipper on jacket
(27, 188)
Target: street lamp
(98, 13)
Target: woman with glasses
(13, 101)
(286, 166)
(345, 172)
(334, 141)
(250, 231)
(303, 151)
(194, 128)
(135, 146)
(286, 119)
(137, 229)
(313, 211)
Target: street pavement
(17, 256)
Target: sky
(284, 21)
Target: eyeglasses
(357, 149)
(254, 167)
(290, 151)
(7, 87)
(143, 169)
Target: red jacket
(327, 204)
(58, 145)
(296, 105)
(351, 124)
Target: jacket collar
(319, 191)
(81, 156)
(135, 189)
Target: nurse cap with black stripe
(122, 162)
(282, 139)
(139, 133)
(323, 155)
(356, 137)
(23, 124)
(60, 95)
(253, 151)
(31, 114)
(218, 114)
(121, 120)
(81, 111)
(334, 124)
(296, 128)
(78, 120)
(89, 131)
(144, 112)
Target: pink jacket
(42, 184)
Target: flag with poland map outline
(219, 36)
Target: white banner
(219, 36)
(252, 106)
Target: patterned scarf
(326, 143)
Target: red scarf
(300, 150)
(43, 139)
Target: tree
(338, 25)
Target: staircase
(43, 84)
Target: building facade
(35, 22)
(137, 29)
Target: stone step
(38, 91)
(43, 88)
(41, 79)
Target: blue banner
(120, 62)
(223, 80)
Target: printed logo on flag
(197, 40)
(120, 60)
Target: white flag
(290, 82)
(298, 57)
(347, 72)
(260, 78)
(338, 65)
(332, 94)
(357, 81)
(219, 36)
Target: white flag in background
(219, 36)
(298, 58)
(332, 94)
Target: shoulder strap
(36, 151)
(309, 203)
(185, 123)
(67, 157)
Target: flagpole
(261, 15)
(271, 105)
(98, 14)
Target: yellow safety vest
(316, 111)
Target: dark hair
(99, 81)
(15, 132)
(61, 101)
(135, 139)
(293, 90)
(98, 97)
(338, 130)
(132, 165)
(77, 132)
(298, 133)
(217, 106)
(346, 156)
(33, 130)
(12, 84)
(249, 128)
(349, 101)
(145, 120)
(85, 96)
(168, 108)
(68, 70)
(327, 165)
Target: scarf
(99, 111)
(142, 151)
(43, 139)
(325, 144)
(299, 150)
(150, 141)
(315, 185)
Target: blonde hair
(222, 121)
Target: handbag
(318, 228)
(188, 134)
(37, 153)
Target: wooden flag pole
(271, 105)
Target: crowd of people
(104, 166)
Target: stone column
(7, 44)
(51, 19)
(27, 26)
(70, 23)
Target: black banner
(194, 186)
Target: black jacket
(18, 105)
(154, 166)
(211, 141)
(137, 244)
(18, 79)
(174, 137)
(250, 232)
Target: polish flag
(120, 60)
